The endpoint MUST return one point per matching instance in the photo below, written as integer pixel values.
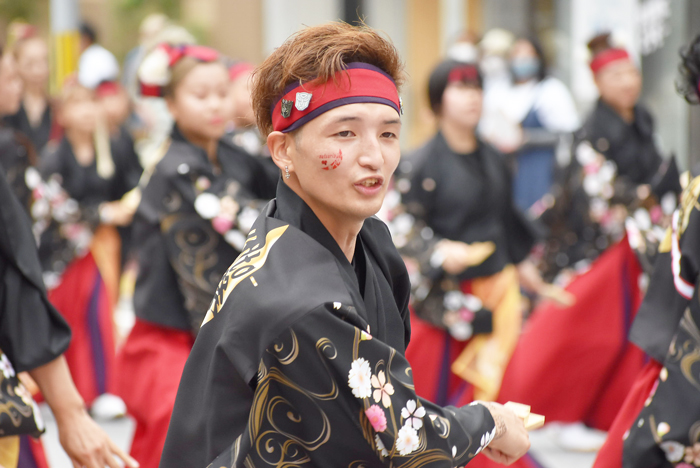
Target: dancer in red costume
(659, 330)
(582, 352)
(459, 209)
(196, 207)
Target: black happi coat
(83, 183)
(629, 145)
(16, 156)
(468, 198)
(181, 256)
(280, 372)
(39, 135)
(32, 332)
(666, 328)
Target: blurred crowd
(530, 232)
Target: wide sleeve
(32, 332)
(329, 394)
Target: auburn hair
(319, 52)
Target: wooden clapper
(532, 421)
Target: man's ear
(279, 145)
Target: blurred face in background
(461, 105)
(10, 85)
(33, 63)
(79, 110)
(524, 62)
(115, 105)
(619, 84)
(241, 103)
(200, 103)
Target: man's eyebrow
(392, 121)
(344, 119)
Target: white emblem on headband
(302, 101)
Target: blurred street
(121, 430)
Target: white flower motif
(674, 451)
(359, 378)
(380, 446)
(383, 389)
(413, 415)
(6, 367)
(208, 205)
(486, 440)
(407, 440)
(155, 68)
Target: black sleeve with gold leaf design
(673, 278)
(667, 430)
(329, 394)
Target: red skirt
(149, 367)
(576, 364)
(82, 299)
(31, 453)
(610, 455)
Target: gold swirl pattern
(293, 351)
(689, 352)
(689, 202)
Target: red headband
(175, 53)
(358, 83)
(107, 88)
(606, 57)
(463, 73)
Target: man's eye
(389, 135)
(345, 133)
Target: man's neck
(343, 229)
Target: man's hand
(87, 444)
(511, 441)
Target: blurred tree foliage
(18, 9)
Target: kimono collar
(293, 210)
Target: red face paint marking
(331, 161)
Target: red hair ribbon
(606, 57)
(201, 53)
(357, 83)
(174, 54)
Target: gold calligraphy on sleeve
(251, 259)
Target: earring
(286, 172)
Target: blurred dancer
(657, 425)
(544, 110)
(79, 246)
(149, 29)
(35, 117)
(460, 190)
(242, 129)
(196, 208)
(114, 101)
(604, 220)
(33, 334)
(314, 313)
(96, 63)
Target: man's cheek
(331, 161)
